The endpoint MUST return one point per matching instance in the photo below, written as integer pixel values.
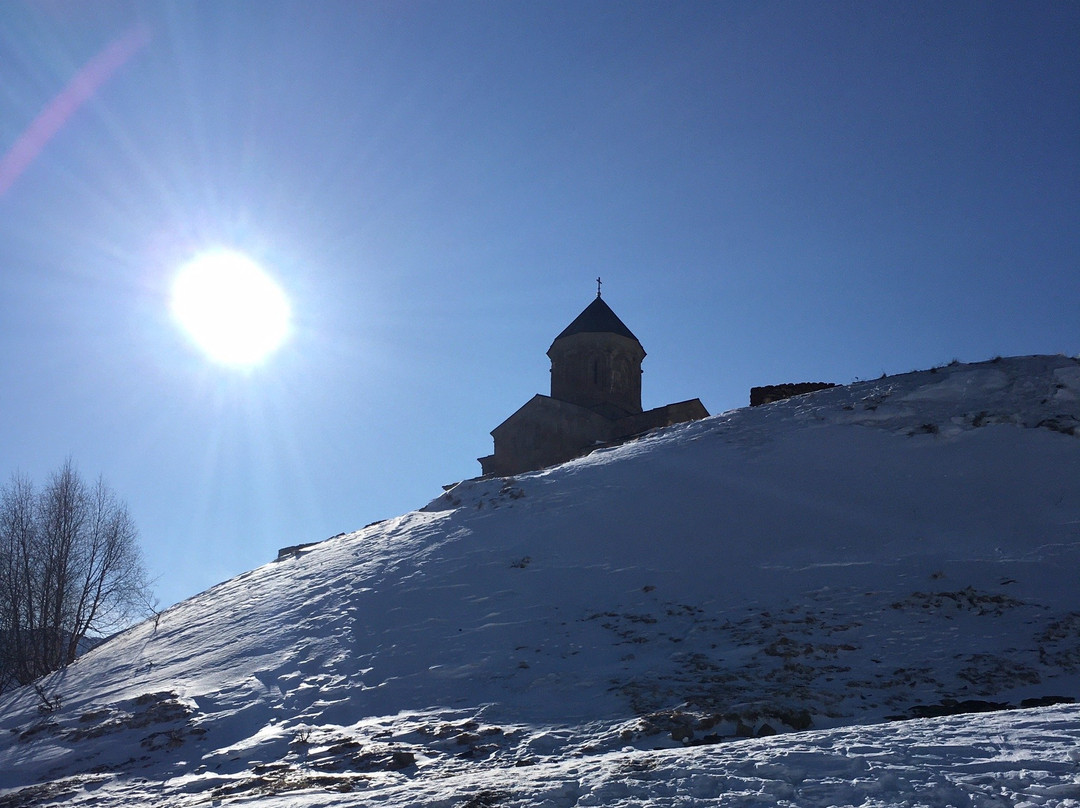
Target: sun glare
(229, 307)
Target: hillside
(896, 548)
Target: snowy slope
(895, 548)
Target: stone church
(595, 399)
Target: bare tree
(18, 557)
(70, 568)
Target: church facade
(595, 399)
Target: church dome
(597, 318)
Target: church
(595, 399)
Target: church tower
(596, 363)
(595, 399)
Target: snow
(615, 630)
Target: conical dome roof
(597, 318)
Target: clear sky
(772, 192)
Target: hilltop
(894, 549)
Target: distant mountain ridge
(897, 547)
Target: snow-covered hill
(610, 630)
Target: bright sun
(230, 307)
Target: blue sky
(772, 192)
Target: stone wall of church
(542, 433)
(601, 372)
(668, 415)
